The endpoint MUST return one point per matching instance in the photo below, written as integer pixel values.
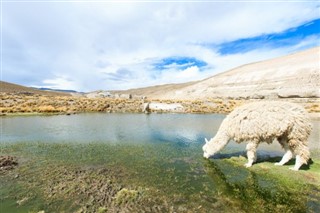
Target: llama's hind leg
(298, 163)
(301, 151)
(302, 157)
(251, 153)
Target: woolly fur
(263, 122)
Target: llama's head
(210, 148)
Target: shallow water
(160, 153)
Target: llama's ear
(206, 140)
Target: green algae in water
(166, 175)
(15, 198)
(126, 195)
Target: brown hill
(6, 87)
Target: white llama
(263, 122)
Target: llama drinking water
(263, 122)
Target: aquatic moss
(102, 210)
(271, 185)
(126, 196)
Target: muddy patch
(7, 163)
(92, 190)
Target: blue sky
(287, 38)
(178, 62)
(87, 46)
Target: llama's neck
(221, 140)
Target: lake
(150, 163)
(123, 128)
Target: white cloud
(89, 46)
(58, 83)
(177, 76)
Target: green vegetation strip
(155, 177)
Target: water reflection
(134, 128)
(182, 129)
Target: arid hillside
(155, 91)
(293, 76)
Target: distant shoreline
(36, 104)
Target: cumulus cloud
(90, 46)
(59, 82)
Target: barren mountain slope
(154, 91)
(294, 75)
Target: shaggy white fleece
(263, 122)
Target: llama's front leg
(251, 153)
(286, 157)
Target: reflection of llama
(263, 122)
